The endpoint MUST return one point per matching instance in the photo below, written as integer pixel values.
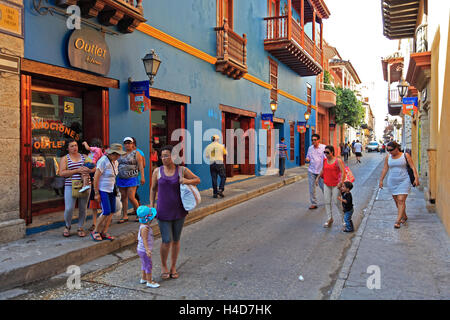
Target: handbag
(190, 196)
(410, 172)
(348, 173)
(76, 186)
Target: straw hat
(115, 148)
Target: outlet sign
(88, 50)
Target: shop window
(54, 119)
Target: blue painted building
(210, 72)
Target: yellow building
(427, 22)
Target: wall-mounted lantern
(273, 106)
(151, 64)
(402, 88)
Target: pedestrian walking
(71, 168)
(145, 244)
(353, 146)
(215, 152)
(399, 181)
(105, 190)
(358, 151)
(282, 155)
(169, 207)
(346, 152)
(333, 174)
(347, 205)
(315, 157)
(130, 165)
(139, 175)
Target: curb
(46, 269)
(351, 254)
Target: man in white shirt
(358, 151)
(215, 152)
(315, 157)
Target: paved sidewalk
(413, 261)
(43, 255)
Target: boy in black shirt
(347, 204)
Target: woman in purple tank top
(170, 210)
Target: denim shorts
(108, 203)
(171, 230)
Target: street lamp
(307, 115)
(273, 106)
(151, 64)
(403, 88)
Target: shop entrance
(166, 116)
(52, 113)
(234, 118)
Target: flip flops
(122, 221)
(96, 236)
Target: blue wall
(192, 22)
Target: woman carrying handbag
(171, 213)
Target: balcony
(419, 69)
(394, 103)
(287, 41)
(327, 98)
(125, 14)
(231, 52)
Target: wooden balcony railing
(394, 97)
(280, 30)
(126, 14)
(231, 52)
(276, 28)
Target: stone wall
(11, 226)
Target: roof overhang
(396, 67)
(348, 65)
(399, 18)
(321, 8)
(419, 70)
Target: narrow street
(254, 250)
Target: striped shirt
(72, 165)
(282, 150)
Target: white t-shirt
(358, 147)
(108, 176)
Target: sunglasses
(326, 152)
(389, 150)
(127, 142)
(314, 139)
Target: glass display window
(54, 120)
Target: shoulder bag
(410, 172)
(190, 196)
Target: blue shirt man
(282, 154)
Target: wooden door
(302, 148)
(245, 125)
(25, 149)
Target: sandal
(397, 224)
(107, 236)
(403, 220)
(66, 232)
(81, 233)
(165, 275)
(122, 221)
(328, 223)
(92, 228)
(96, 236)
(174, 275)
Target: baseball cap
(145, 214)
(128, 139)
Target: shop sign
(11, 19)
(45, 142)
(301, 126)
(267, 121)
(410, 106)
(140, 96)
(88, 50)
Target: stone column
(11, 226)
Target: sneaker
(220, 193)
(142, 281)
(347, 230)
(85, 188)
(153, 284)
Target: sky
(355, 29)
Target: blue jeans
(282, 166)
(217, 169)
(348, 220)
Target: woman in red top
(333, 173)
